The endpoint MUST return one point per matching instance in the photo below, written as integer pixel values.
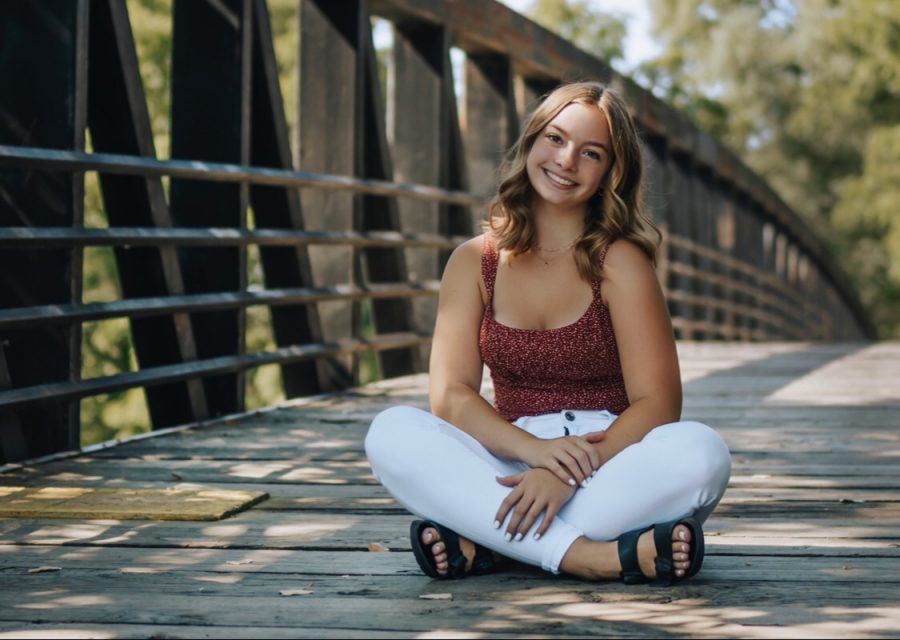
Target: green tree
(806, 93)
(600, 33)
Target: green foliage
(599, 33)
(808, 94)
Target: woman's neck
(555, 226)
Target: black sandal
(665, 565)
(484, 558)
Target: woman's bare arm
(646, 344)
(456, 366)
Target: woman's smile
(558, 181)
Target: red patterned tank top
(538, 371)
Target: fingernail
(594, 473)
(496, 524)
(584, 483)
(427, 538)
(519, 536)
(682, 535)
(508, 536)
(537, 536)
(572, 482)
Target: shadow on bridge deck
(805, 543)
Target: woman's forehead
(582, 120)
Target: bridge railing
(352, 225)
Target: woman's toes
(430, 535)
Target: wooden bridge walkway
(805, 544)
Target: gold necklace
(539, 250)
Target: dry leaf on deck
(44, 569)
(295, 592)
(377, 547)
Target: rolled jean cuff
(554, 553)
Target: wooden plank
(310, 530)
(697, 608)
(120, 123)
(43, 71)
(491, 119)
(383, 265)
(418, 130)
(759, 564)
(283, 267)
(237, 632)
(329, 140)
(81, 503)
(354, 469)
(211, 60)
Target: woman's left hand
(535, 491)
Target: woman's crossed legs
(442, 474)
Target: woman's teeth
(558, 180)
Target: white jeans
(443, 474)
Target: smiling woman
(583, 465)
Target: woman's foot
(442, 553)
(681, 551)
(431, 536)
(600, 560)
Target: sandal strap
(628, 557)
(484, 561)
(665, 562)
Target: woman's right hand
(573, 459)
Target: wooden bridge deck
(806, 542)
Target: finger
(566, 457)
(594, 436)
(593, 456)
(508, 503)
(549, 514)
(510, 481)
(530, 518)
(518, 513)
(579, 463)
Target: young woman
(582, 465)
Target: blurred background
(805, 92)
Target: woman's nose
(565, 157)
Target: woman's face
(570, 157)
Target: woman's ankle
(592, 560)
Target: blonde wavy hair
(616, 212)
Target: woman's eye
(552, 137)
(592, 154)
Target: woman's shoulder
(466, 258)
(624, 255)
(463, 269)
(470, 251)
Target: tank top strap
(595, 284)
(490, 259)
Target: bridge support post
(211, 121)
(43, 72)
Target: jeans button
(569, 416)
